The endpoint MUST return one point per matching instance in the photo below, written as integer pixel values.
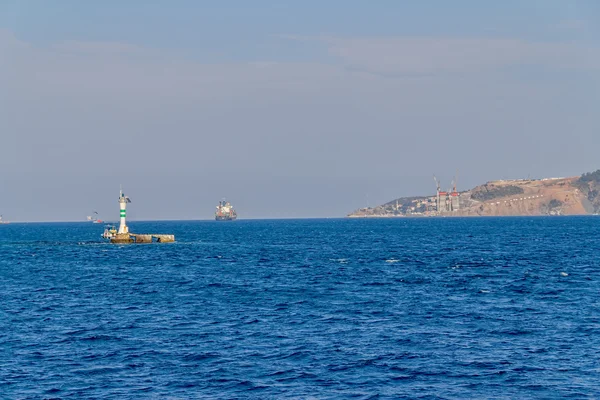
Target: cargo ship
(225, 212)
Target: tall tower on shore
(455, 202)
(123, 200)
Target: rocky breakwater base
(141, 238)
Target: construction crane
(437, 195)
(437, 183)
(455, 181)
(454, 202)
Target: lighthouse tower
(123, 200)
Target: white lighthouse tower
(123, 200)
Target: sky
(289, 109)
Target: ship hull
(224, 218)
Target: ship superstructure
(225, 212)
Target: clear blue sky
(287, 108)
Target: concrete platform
(142, 238)
(122, 238)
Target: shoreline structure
(500, 198)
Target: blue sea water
(385, 309)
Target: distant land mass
(579, 195)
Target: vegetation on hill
(489, 192)
(589, 184)
(404, 205)
(554, 203)
(590, 177)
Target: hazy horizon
(287, 109)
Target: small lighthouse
(123, 200)
(123, 235)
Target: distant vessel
(225, 212)
(2, 221)
(94, 219)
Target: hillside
(550, 196)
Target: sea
(429, 308)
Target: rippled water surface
(414, 308)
